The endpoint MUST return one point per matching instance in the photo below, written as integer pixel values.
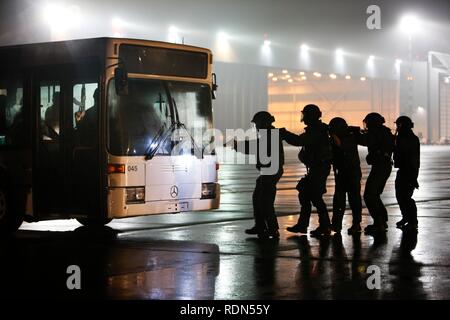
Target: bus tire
(94, 222)
(10, 219)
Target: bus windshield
(159, 118)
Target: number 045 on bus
(105, 128)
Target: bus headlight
(136, 195)
(208, 190)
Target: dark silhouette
(316, 155)
(380, 143)
(405, 272)
(266, 224)
(347, 174)
(313, 273)
(52, 116)
(407, 160)
(87, 123)
(264, 268)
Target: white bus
(105, 128)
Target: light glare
(339, 53)
(173, 34)
(410, 24)
(60, 18)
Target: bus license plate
(178, 206)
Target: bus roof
(60, 52)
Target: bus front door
(66, 168)
(49, 166)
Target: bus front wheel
(94, 222)
(10, 220)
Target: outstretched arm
(242, 146)
(296, 140)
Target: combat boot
(255, 231)
(356, 228)
(336, 228)
(320, 231)
(252, 230)
(401, 223)
(409, 227)
(297, 229)
(375, 229)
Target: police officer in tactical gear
(347, 173)
(407, 160)
(266, 224)
(316, 155)
(380, 143)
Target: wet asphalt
(207, 255)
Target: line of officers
(336, 146)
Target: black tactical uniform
(316, 155)
(407, 160)
(347, 173)
(266, 224)
(380, 143)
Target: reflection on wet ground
(34, 265)
(206, 255)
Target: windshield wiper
(182, 125)
(176, 124)
(162, 137)
(155, 145)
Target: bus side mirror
(214, 86)
(121, 81)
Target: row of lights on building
(302, 76)
(59, 16)
(223, 42)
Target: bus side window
(12, 129)
(50, 100)
(85, 112)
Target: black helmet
(311, 112)
(373, 119)
(405, 122)
(263, 117)
(338, 125)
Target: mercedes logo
(174, 191)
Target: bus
(105, 128)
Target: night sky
(323, 24)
